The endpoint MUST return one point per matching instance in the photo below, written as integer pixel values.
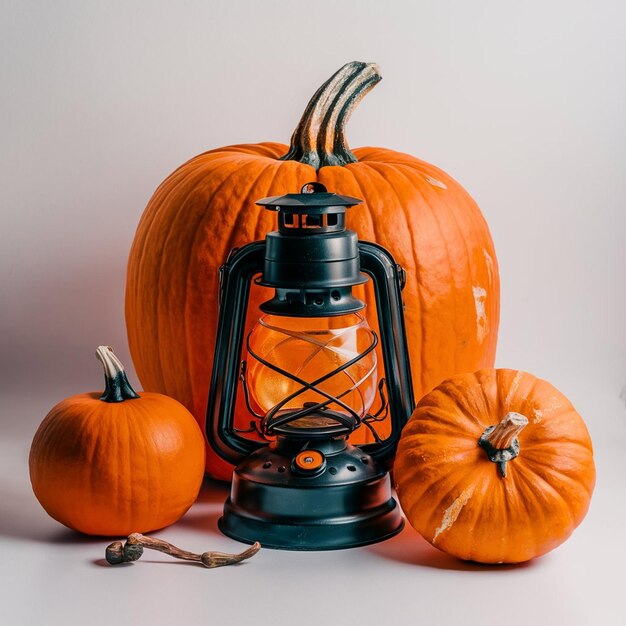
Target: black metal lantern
(309, 381)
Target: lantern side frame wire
(310, 337)
(379, 416)
(266, 429)
(313, 386)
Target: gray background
(522, 102)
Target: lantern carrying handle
(234, 279)
(388, 280)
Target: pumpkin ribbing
(111, 465)
(454, 496)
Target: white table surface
(51, 575)
(522, 102)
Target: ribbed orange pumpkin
(495, 467)
(206, 207)
(117, 463)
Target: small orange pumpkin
(207, 207)
(495, 467)
(119, 462)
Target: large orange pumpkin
(495, 467)
(207, 206)
(117, 463)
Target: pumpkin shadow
(411, 548)
(206, 511)
(67, 536)
(22, 518)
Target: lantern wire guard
(309, 380)
(313, 418)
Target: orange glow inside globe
(312, 348)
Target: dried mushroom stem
(500, 442)
(217, 559)
(118, 552)
(152, 543)
(136, 542)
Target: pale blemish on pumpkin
(555, 404)
(489, 264)
(482, 323)
(512, 391)
(452, 513)
(538, 413)
(435, 183)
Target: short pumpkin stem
(500, 442)
(319, 139)
(116, 385)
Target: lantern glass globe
(309, 349)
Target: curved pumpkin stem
(117, 388)
(500, 442)
(319, 139)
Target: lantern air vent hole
(351, 468)
(313, 221)
(332, 470)
(313, 188)
(282, 468)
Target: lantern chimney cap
(312, 195)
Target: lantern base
(343, 500)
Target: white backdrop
(523, 102)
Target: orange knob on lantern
(309, 460)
